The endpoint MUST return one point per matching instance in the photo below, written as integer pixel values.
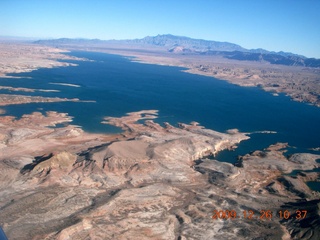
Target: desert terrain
(150, 181)
(17, 57)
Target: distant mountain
(285, 54)
(171, 41)
(186, 45)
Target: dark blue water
(119, 86)
(314, 185)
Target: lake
(119, 85)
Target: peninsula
(151, 182)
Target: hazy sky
(287, 25)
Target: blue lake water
(119, 85)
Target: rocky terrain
(21, 57)
(35, 134)
(151, 182)
(299, 83)
(9, 99)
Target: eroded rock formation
(151, 182)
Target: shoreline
(271, 78)
(281, 79)
(149, 181)
(144, 168)
(23, 57)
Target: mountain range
(186, 45)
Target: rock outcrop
(155, 182)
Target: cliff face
(151, 182)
